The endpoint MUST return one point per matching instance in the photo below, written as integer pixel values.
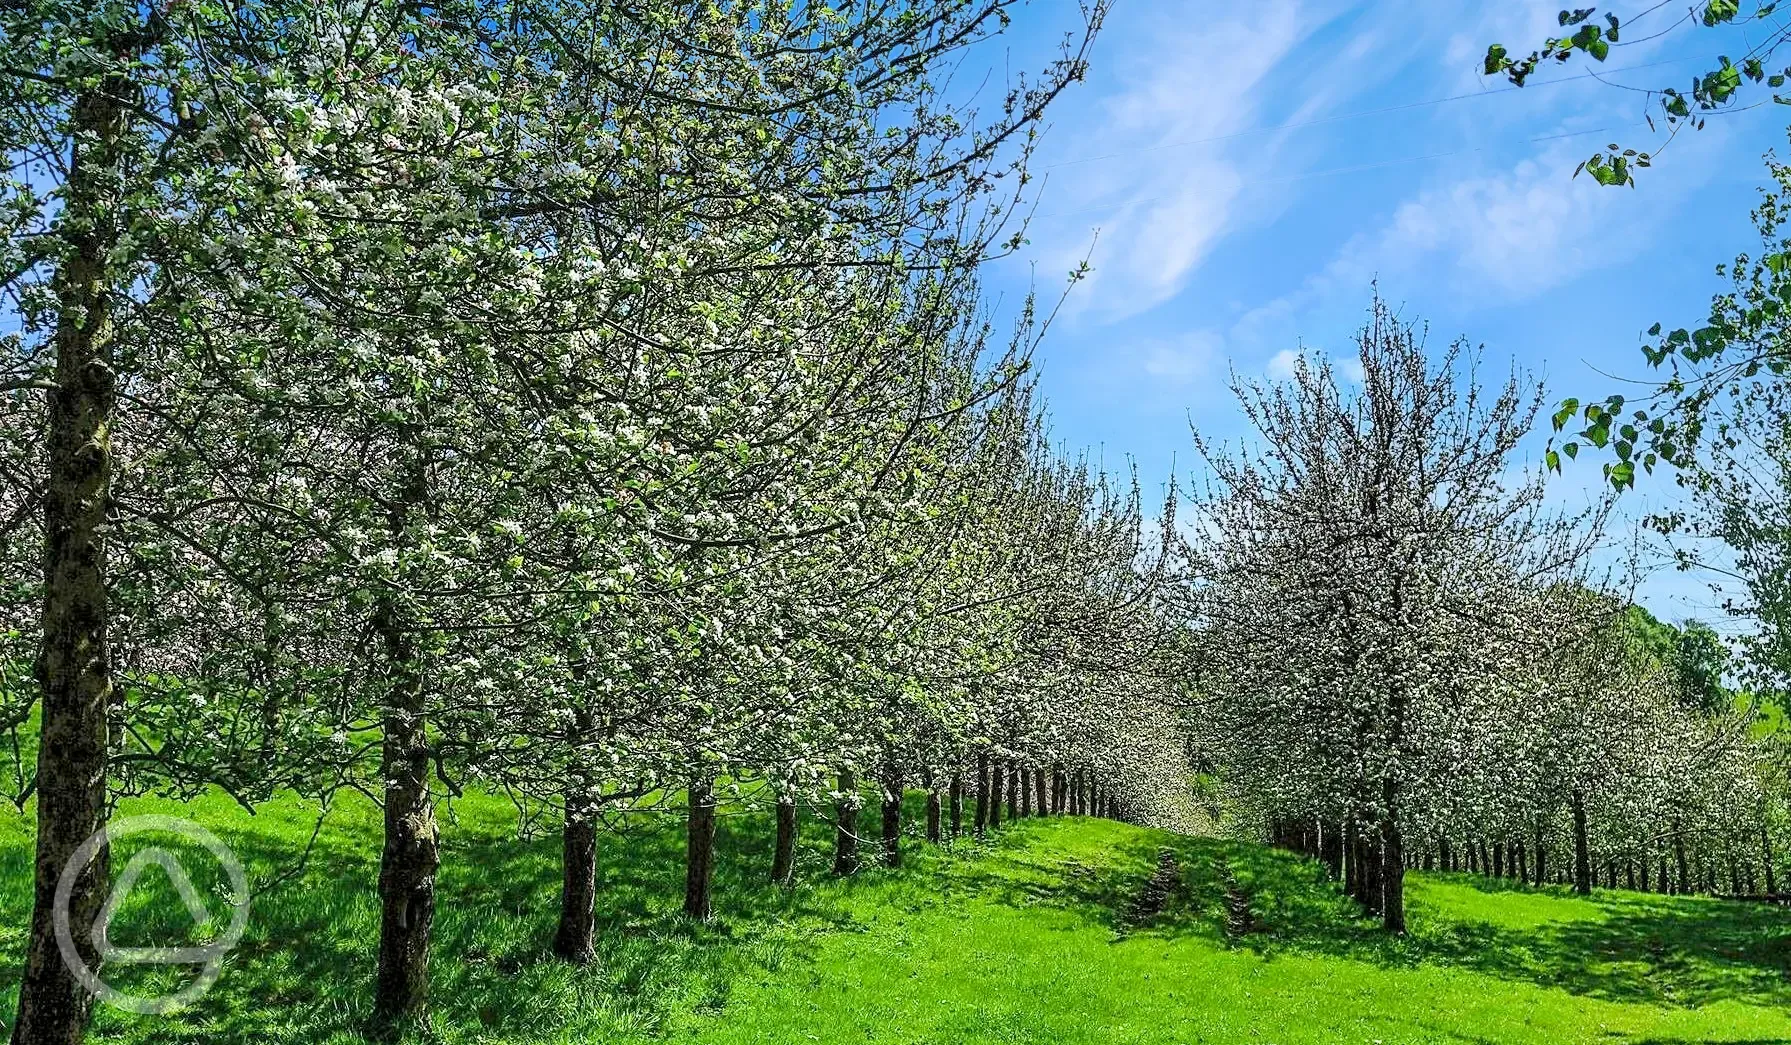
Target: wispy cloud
(1285, 365)
(1155, 172)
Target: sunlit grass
(1026, 938)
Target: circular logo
(208, 957)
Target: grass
(1034, 936)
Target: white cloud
(1148, 174)
(1520, 231)
(1184, 359)
(1504, 236)
(1283, 365)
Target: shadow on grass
(1617, 946)
(303, 971)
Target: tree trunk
(74, 667)
(1352, 869)
(893, 788)
(574, 940)
(933, 833)
(997, 779)
(1042, 789)
(957, 804)
(1392, 861)
(1541, 858)
(982, 792)
(1023, 777)
(699, 849)
(412, 851)
(783, 856)
(845, 832)
(1766, 857)
(1679, 859)
(1058, 788)
(1582, 852)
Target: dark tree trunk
(1498, 860)
(1023, 777)
(1684, 869)
(893, 788)
(574, 940)
(1766, 858)
(1059, 787)
(982, 792)
(997, 781)
(1041, 788)
(74, 666)
(412, 851)
(957, 804)
(783, 856)
(845, 832)
(1392, 862)
(1353, 880)
(1370, 880)
(1445, 854)
(1582, 851)
(699, 849)
(932, 809)
(1330, 842)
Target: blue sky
(1243, 173)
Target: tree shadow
(304, 968)
(1617, 946)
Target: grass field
(1035, 936)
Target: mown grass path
(1034, 936)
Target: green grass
(1031, 937)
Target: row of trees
(588, 402)
(1406, 662)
